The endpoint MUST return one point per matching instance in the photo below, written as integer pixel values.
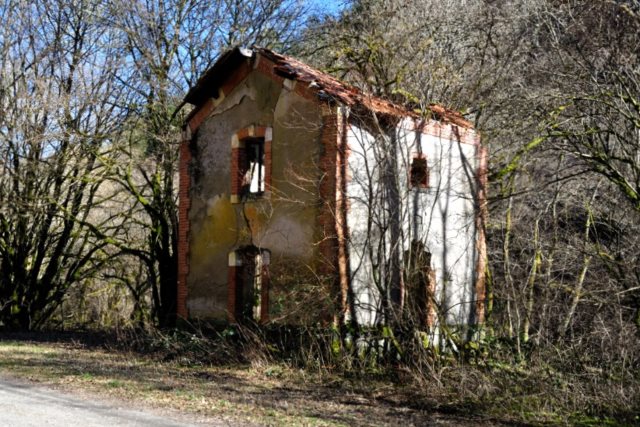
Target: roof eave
(214, 77)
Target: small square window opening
(419, 173)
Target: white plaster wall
(442, 217)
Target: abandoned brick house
(304, 199)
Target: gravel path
(25, 405)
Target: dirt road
(26, 405)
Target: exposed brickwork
(481, 244)
(238, 158)
(442, 130)
(306, 92)
(200, 113)
(236, 78)
(284, 69)
(183, 227)
(245, 133)
(328, 247)
(332, 218)
(236, 288)
(334, 204)
(267, 166)
(265, 66)
(342, 209)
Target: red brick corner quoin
(184, 204)
(334, 98)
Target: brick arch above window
(251, 163)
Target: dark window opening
(420, 282)
(252, 285)
(253, 169)
(419, 174)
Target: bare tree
(168, 45)
(597, 118)
(552, 87)
(59, 103)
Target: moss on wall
(285, 222)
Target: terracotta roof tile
(324, 83)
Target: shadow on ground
(242, 390)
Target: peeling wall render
(337, 228)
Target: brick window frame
(419, 172)
(236, 298)
(239, 142)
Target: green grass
(115, 384)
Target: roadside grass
(256, 394)
(227, 393)
(208, 380)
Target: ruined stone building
(303, 199)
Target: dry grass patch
(262, 394)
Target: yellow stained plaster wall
(285, 223)
(218, 228)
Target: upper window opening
(253, 174)
(251, 164)
(419, 174)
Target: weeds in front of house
(487, 376)
(224, 372)
(240, 394)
